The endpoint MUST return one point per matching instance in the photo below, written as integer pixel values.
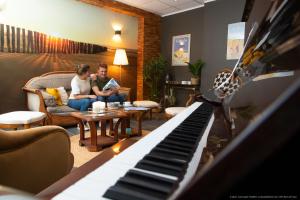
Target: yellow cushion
(54, 92)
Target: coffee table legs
(136, 131)
(140, 117)
(103, 127)
(81, 132)
(94, 142)
(93, 130)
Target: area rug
(82, 155)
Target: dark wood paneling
(18, 40)
(8, 38)
(23, 41)
(13, 39)
(2, 37)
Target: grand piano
(260, 161)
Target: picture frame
(235, 40)
(181, 45)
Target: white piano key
(94, 185)
(157, 174)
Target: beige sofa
(56, 115)
(33, 159)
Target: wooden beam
(2, 37)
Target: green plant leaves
(196, 68)
(153, 74)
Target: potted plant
(195, 69)
(154, 72)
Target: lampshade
(120, 57)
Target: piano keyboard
(159, 166)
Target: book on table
(135, 108)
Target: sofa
(33, 159)
(36, 96)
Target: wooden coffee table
(97, 142)
(139, 114)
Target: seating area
(149, 100)
(39, 100)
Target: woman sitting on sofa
(80, 97)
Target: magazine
(112, 83)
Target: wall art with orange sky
(19, 40)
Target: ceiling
(166, 7)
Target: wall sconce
(117, 36)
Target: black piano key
(187, 132)
(178, 134)
(169, 145)
(191, 125)
(182, 138)
(178, 162)
(145, 182)
(118, 192)
(139, 185)
(185, 128)
(163, 165)
(179, 143)
(188, 144)
(164, 144)
(170, 153)
(170, 157)
(162, 168)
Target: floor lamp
(120, 59)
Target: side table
(21, 118)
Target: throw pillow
(54, 92)
(48, 99)
(63, 95)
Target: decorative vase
(195, 80)
(168, 77)
(172, 98)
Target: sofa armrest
(33, 159)
(35, 100)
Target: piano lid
(268, 100)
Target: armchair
(33, 159)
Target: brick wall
(148, 35)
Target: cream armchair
(33, 159)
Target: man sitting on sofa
(99, 81)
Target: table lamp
(120, 59)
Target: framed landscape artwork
(181, 50)
(235, 40)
